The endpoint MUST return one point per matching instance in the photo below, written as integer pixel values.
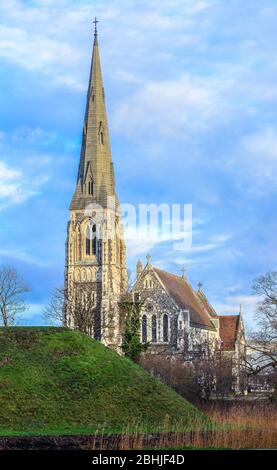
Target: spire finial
(183, 271)
(95, 26)
(200, 285)
(148, 257)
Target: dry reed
(237, 425)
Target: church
(96, 257)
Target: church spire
(95, 247)
(95, 181)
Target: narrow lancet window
(154, 329)
(144, 329)
(94, 240)
(165, 328)
(88, 241)
(90, 187)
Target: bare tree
(197, 372)
(219, 372)
(79, 308)
(12, 289)
(205, 356)
(54, 313)
(82, 309)
(264, 341)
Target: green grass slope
(57, 381)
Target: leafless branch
(12, 289)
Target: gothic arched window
(154, 329)
(102, 137)
(91, 240)
(165, 328)
(144, 329)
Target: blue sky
(191, 90)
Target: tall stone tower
(95, 248)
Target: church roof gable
(184, 296)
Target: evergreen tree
(132, 346)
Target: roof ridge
(170, 274)
(235, 315)
(204, 299)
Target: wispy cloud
(11, 191)
(231, 306)
(261, 154)
(15, 254)
(196, 102)
(32, 136)
(15, 187)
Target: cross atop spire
(95, 26)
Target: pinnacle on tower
(139, 268)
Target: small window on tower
(102, 138)
(90, 187)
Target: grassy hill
(57, 381)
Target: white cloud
(139, 248)
(15, 187)
(221, 238)
(41, 39)
(24, 256)
(33, 51)
(48, 36)
(254, 161)
(10, 186)
(231, 306)
(263, 145)
(32, 310)
(7, 173)
(173, 107)
(32, 136)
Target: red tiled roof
(228, 330)
(206, 304)
(185, 297)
